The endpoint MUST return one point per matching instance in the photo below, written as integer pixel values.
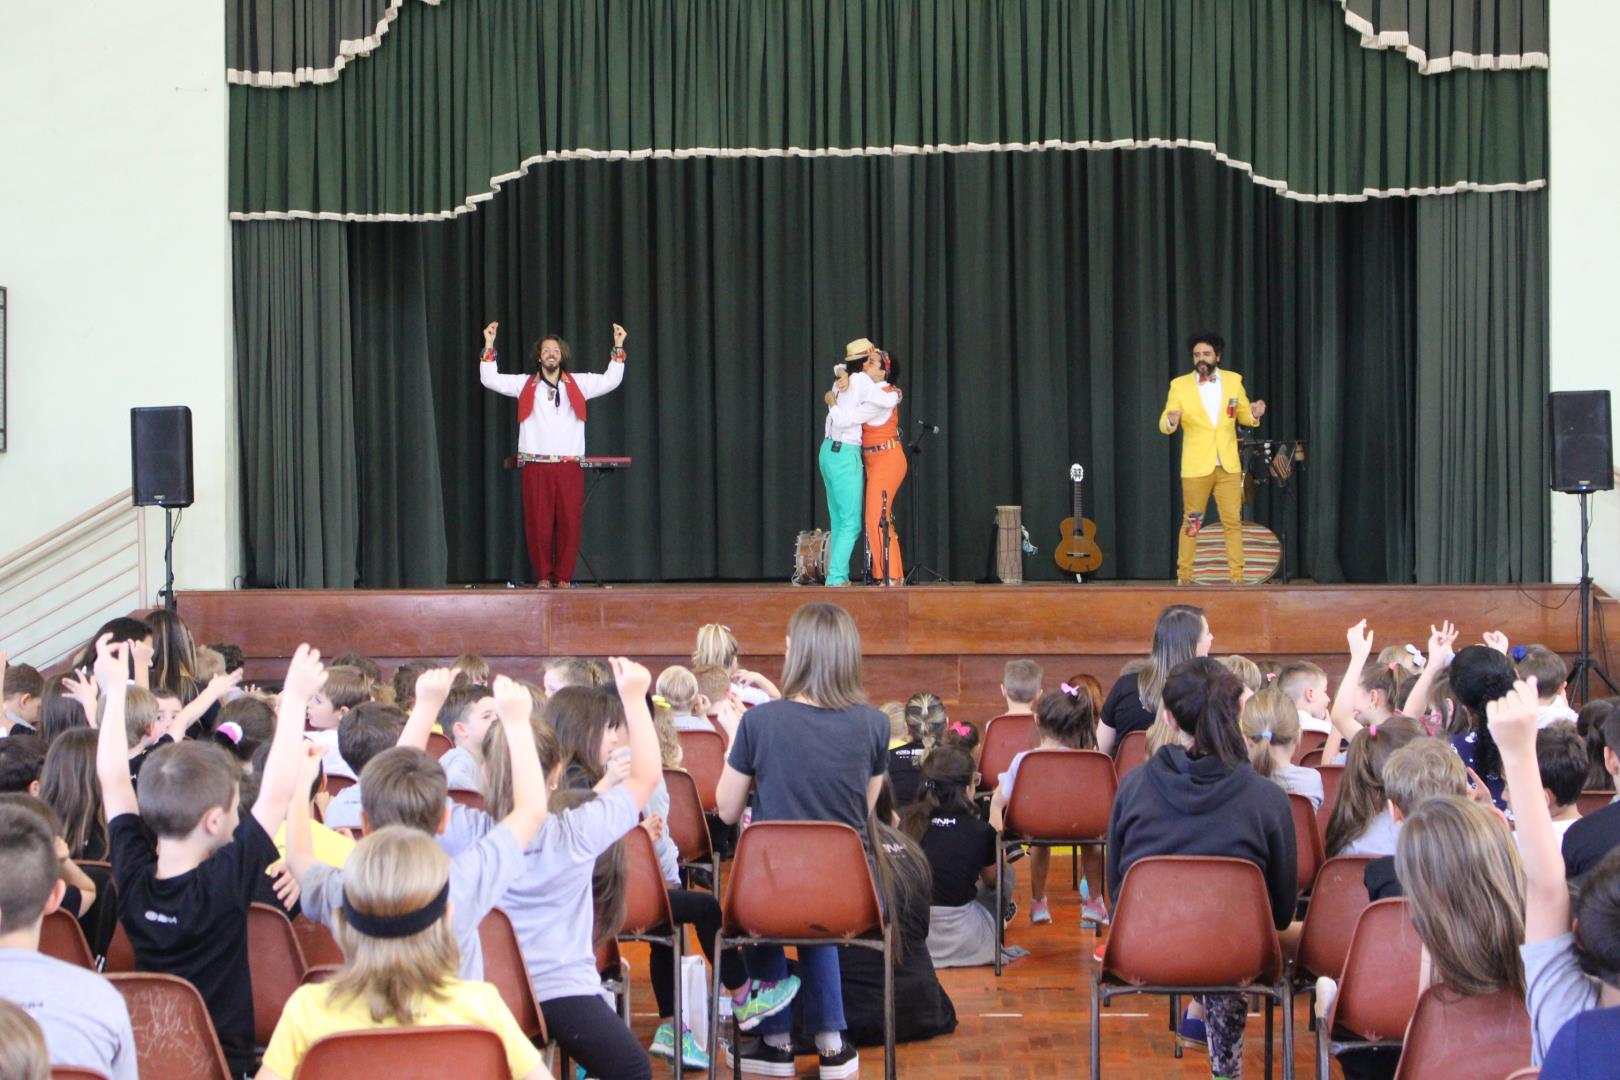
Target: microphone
(932, 429)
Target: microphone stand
(918, 571)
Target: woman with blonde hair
(716, 645)
(400, 960)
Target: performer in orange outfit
(885, 458)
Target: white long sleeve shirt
(861, 402)
(552, 428)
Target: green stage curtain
(1481, 455)
(1444, 35)
(468, 95)
(1036, 302)
(282, 43)
(296, 404)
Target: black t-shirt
(905, 772)
(1380, 879)
(959, 845)
(1123, 710)
(1589, 839)
(136, 762)
(811, 764)
(194, 925)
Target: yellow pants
(1195, 491)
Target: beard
(550, 367)
(1204, 367)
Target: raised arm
(112, 745)
(217, 688)
(864, 403)
(515, 706)
(490, 375)
(1512, 723)
(595, 385)
(300, 844)
(1438, 657)
(305, 675)
(646, 763)
(432, 688)
(1342, 715)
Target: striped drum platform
(1262, 554)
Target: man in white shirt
(551, 440)
(854, 400)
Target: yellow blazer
(1202, 446)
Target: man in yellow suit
(1208, 404)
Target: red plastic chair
(472, 800)
(1004, 738)
(173, 1034)
(647, 914)
(1338, 897)
(1378, 989)
(703, 756)
(1589, 801)
(1452, 1037)
(1132, 753)
(1307, 840)
(316, 943)
(688, 826)
(505, 969)
(1062, 798)
(1308, 741)
(1194, 924)
(1310, 759)
(319, 973)
(61, 938)
(74, 1072)
(778, 894)
(335, 784)
(275, 965)
(405, 1053)
(120, 953)
(439, 744)
(1331, 775)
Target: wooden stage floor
(951, 639)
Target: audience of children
(717, 646)
(1547, 668)
(1361, 823)
(1180, 634)
(346, 687)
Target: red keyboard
(606, 464)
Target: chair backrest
(319, 973)
(1004, 737)
(687, 826)
(1193, 920)
(778, 887)
(316, 943)
(1529, 1072)
(1589, 801)
(646, 896)
(1309, 742)
(439, 744)
(120, 953)
(275, 966)
(335, 784)
(472, 800)
(1132, 753)
(504, 967)
(173, 1034)
(1378, 989)
(418, 1051)
(1307, 840)
(74, 1072)
(703, 755)
(1062, 795)
(1337, 899)
(1331, 775)
(1452, 1037)
(61, 937)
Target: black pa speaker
(160, 450)
(1582, 440)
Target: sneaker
(1192, 1032)
(1009, 914)
(1093, 911)
(842, 1064)
(1039, 915)
(663, 1046)
(760, 1058)
(767, 999)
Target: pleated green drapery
(296, 404)
(469, 94)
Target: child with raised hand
(1271, 726)
(184, 901)
(405, 787)
(1571, 965)
(466, 716)
(83, 1018)
(346, 688)
(1064, 720)
(394, 922)
(1366, 696)
(551, 906)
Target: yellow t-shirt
(310, 1016)
(331, 847)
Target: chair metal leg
(714, 1010)
(1175, 1022)
(1001, 903)
(677, 938)
(888, 1002)
(1271, 1025)
(1288, 1029)
(1074, 868)
(1096, 1024)
(1323, 1054)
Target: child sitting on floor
(925, 722)
(961, 850)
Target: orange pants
(885, 471)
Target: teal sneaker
(767, 999)
(663, 1046)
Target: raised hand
(513, 703)
(141, 650)
(489, 334)
(224, 683)
(309, 767)
(82, 688)
(1497, 640)
(654, 825)
(619, 334)
(433, 686)
(630, 677)
(112, 663)
(1440, 642)
(1512, 718)
(305, 675)
(1360, 640)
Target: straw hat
(859, 348)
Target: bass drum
(810, 558)
(1262, 554)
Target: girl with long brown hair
(1361, 823)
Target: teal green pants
(842, 472)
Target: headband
(1072, 691)
(405, 924)
(1418, 659)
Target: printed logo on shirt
(943, 822)
(159, 917)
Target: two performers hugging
(861, 449)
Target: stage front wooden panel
(951, 639)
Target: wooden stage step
(951, 639)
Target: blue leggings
(845, 478)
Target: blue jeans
(821, 995)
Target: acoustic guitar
(1077, 552)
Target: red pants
(885, 470)
(553, 511)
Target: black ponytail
(1203, 697)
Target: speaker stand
(166, 594)
(1585, 666)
